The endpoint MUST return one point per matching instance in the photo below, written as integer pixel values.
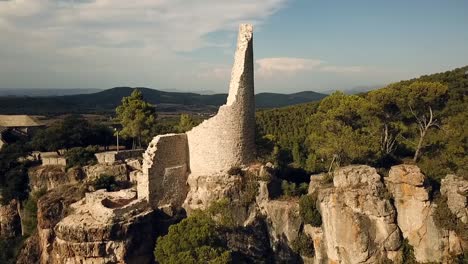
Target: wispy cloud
(268, 67)
(89, 37)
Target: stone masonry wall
(110, 157)
(165, 170)
(228, 139)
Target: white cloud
(268, 67)
(92, 35)
(284, 65)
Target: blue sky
(189, 45)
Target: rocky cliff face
(365, 219)
(52, 176)
(359, 222)
(10, 221)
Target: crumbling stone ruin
(210, 149)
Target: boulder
(206, 189)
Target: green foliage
(79, 157)
(249, 189)
(380, 128)
(308, 210)
(73, 131)
(223, 211)
(29, 218)
(137, 117)
(186, 123)
(408, 253)
(346, 131)
(193, 240)
(13, 173)
(303, 245)
(107, 182)
(291, 189)
(10, 249)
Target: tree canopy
(137, 117)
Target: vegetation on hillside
(422, 120)
(73, 131)
(106, 101)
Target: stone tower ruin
(228, 139)
(216, 145)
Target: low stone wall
(165, 170)
(54, 161)
(111, 157)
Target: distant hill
(36, 92)
(272, 100)
(108, 100)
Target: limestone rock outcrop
(118, 170)
(106, 227)
(358, 221)
(30, 251)
(97, 227)
(52, 176)
(52, 208)
(406, 183)
(10, 221)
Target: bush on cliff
(308, 210)
(78, 157)
(303, 245)
(290, 189)
(194, 240)
(30, 211)
(107, 182)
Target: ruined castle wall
(228, 139)
(165, 170)
(110, 157)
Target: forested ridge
(422, 120)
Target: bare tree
(387, 141)
(424, 124)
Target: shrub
(408, 253)
(193, 240)
(308, 210)
(107, 182)
(10, 249)
(223, 211)
(30, 211)
(290, 189)
(235, 171)
(303, 245)
(249, 189)
(80, 156)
